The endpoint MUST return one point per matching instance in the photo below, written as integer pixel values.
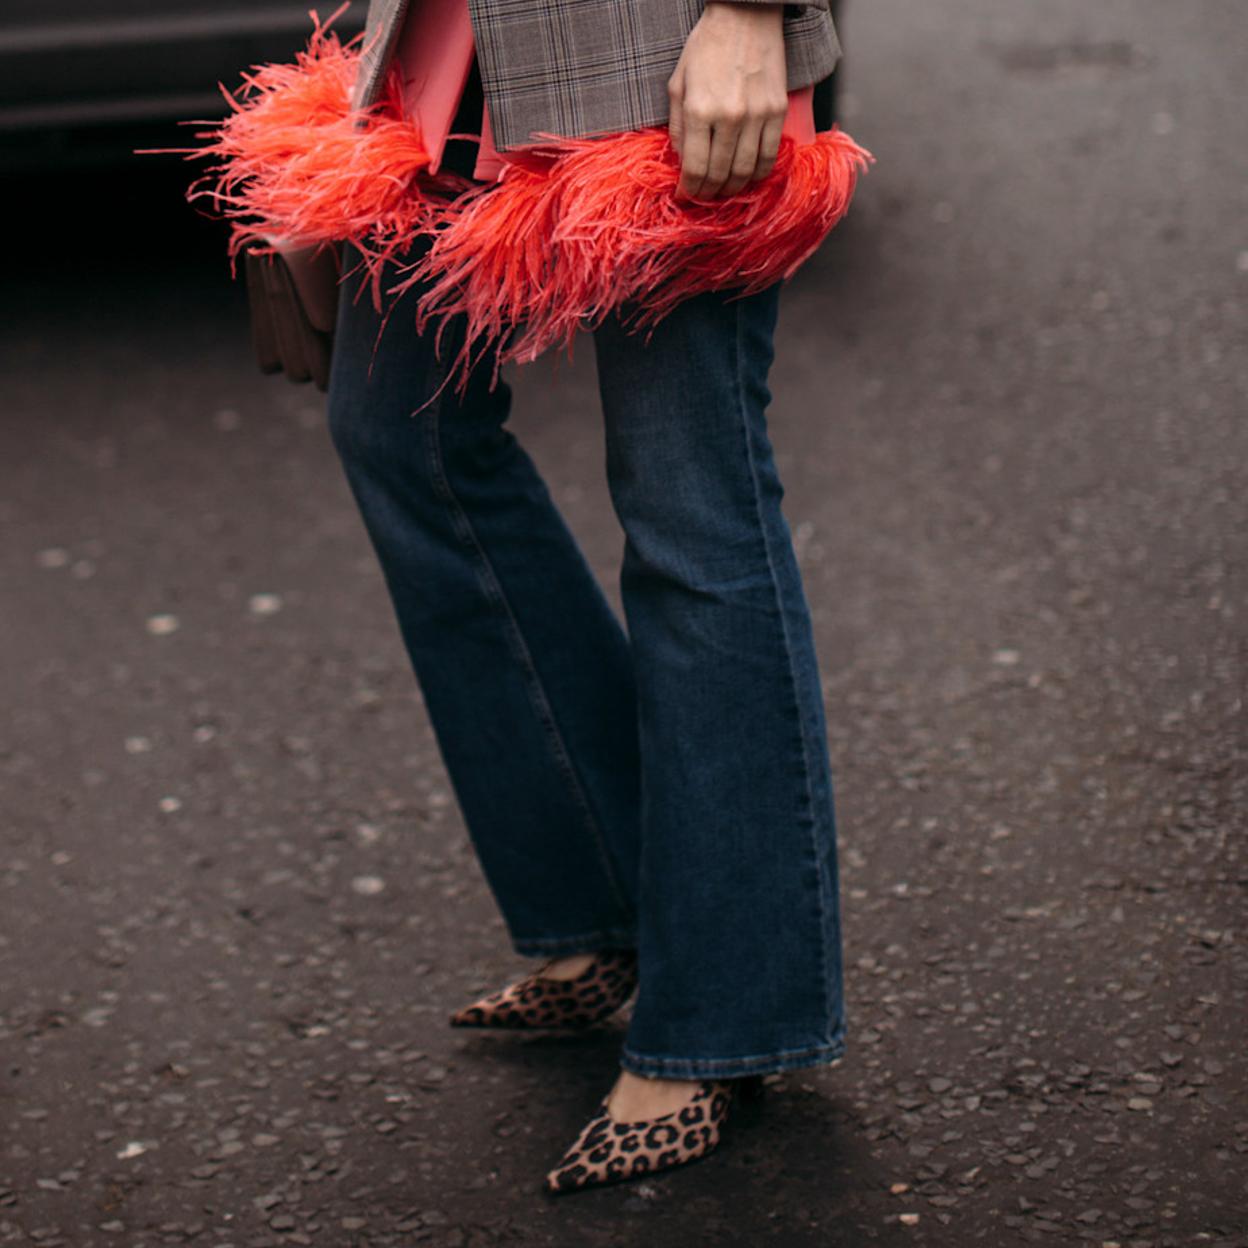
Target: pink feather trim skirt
(574, 230)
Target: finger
(724, 136)
(676, 109)
(695, 159)
(768, 147)
(744, 158)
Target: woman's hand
(729, 98)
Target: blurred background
(236, 898)
(79, 81)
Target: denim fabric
(666, 787)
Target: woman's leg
(524, 668)
(738, 907)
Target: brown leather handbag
(292, 296)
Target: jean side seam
(533, 682)
(788, 654)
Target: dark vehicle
(82, 79)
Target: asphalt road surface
(236, 897)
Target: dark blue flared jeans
(664, 786)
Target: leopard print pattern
(537, 1001)
(607, 1151)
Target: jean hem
(731, 1067)
(589, 942)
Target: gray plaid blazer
(581, 67)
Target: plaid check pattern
(584, 67)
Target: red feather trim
(575, 230)
(600, 229)
(294, 161)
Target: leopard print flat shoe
(608, 1151)
(539, 1001)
